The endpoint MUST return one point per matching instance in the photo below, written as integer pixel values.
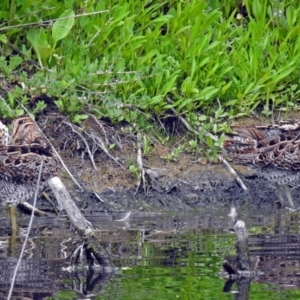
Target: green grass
(134, 60)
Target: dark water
(158, 256)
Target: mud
(188, 184)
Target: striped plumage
(20, 160)
(4, 135)
(273, 151)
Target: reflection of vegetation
(183, 267)
(64, 295)
(169, 265)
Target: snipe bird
(20, 160)
(273, 151)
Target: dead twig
(101, 144)
(232, 172)
(118, 142)
(50, 21)
(65, 202)
(97, 141)
(98, 197)
(99, 125)
(142, 179)
(34, 209)
(84, 141)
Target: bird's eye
(21, 122)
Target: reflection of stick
(241, 246)
(228, 268)
(213, 137)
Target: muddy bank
(189, 183)
(194, 189)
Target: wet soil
(187, 184)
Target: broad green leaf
(3, 38)
(207, 92)
(182, 29)
(33, 37)
(155, 100)
(283, 74)
(170, 84)
(63, 25)
(182, 103)
(249, 87)
(163, 19)
(226, 87)
(202, 118)
(211, 45)
(225, 70)
(39, 43)
(204, 62)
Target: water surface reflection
(158, 256)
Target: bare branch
(34, 209)
(84, 140)
(142, 180)
(65, 202)
(232, 172)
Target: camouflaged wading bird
(20, 160)
(273, 151)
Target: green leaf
(226, 87)
(33, 38)
(78, 118)
(203, 62)
(170, 84)
(39, 41)
(209, 141)
(3, 38)
(207, 92)
(202, 118)
(183, 103)
(15, 61)
(63, 25)
(193, 67)
(283, 74)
